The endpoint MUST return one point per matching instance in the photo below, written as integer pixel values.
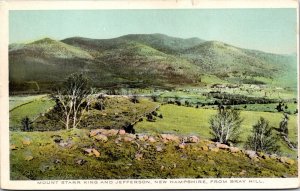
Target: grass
(187, 121)
(16, 101)
(43, 159)
(33, 109)
(119, 111)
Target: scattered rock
(13, 147)
(234, 149)
(287, 160)
(142, 137)
(222, 146)
(193, 139)
(26, 141)
(131, 136)
(28, 158)
(243, 172)
(251, 154)
(88, 152)
(204, 148)
(138, 156)
(181, 146)
(169, 137)
(110, 132)
(96, 153)
(57, 161)
(118, 140)
(122, 132)
(151, 139)
(94, 132)
(128, 139)
(263, 155)
(80, 161)
(273, 156)
(159, 148)
(101, 137)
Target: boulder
(101, 137)
(204, 148)
(222, 146)
(143, 137)
(273, 156)
(193, 139)
(151, 139)
(133, 136)
(234, 149)
(94, 132)
(138, 156)
(13, 147)
(159, 148)
(96, 153)
(181, 146)
(28, 158)
(243, 172)
(169, 137)
(121, 132)
(128, 139)
(88, 152)
(110, 132)
(287, 160)
(251, 154)
(80, 161)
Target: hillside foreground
(114, 154)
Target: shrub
(26, 124)
(225, 125)
(283, 125)
(262, 138)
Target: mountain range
(142, 60)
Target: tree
(26, 124)
(262, 138)
(283, 125)
(72, 99)
(225, 125)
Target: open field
(16, 101)
(31, 107)
(191, 121)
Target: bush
(26, 124)
(283, 125)
(262, 138)
(225, 125)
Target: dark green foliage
(26, 124)
(262, 138)
(134, 99)
(279, 107)
(225, 125)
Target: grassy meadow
(191, 121)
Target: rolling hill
(140, 60)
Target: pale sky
(270, 30)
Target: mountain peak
(46, 40)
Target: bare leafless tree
(225, 125)
(72, 99)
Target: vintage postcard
(149, 94)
